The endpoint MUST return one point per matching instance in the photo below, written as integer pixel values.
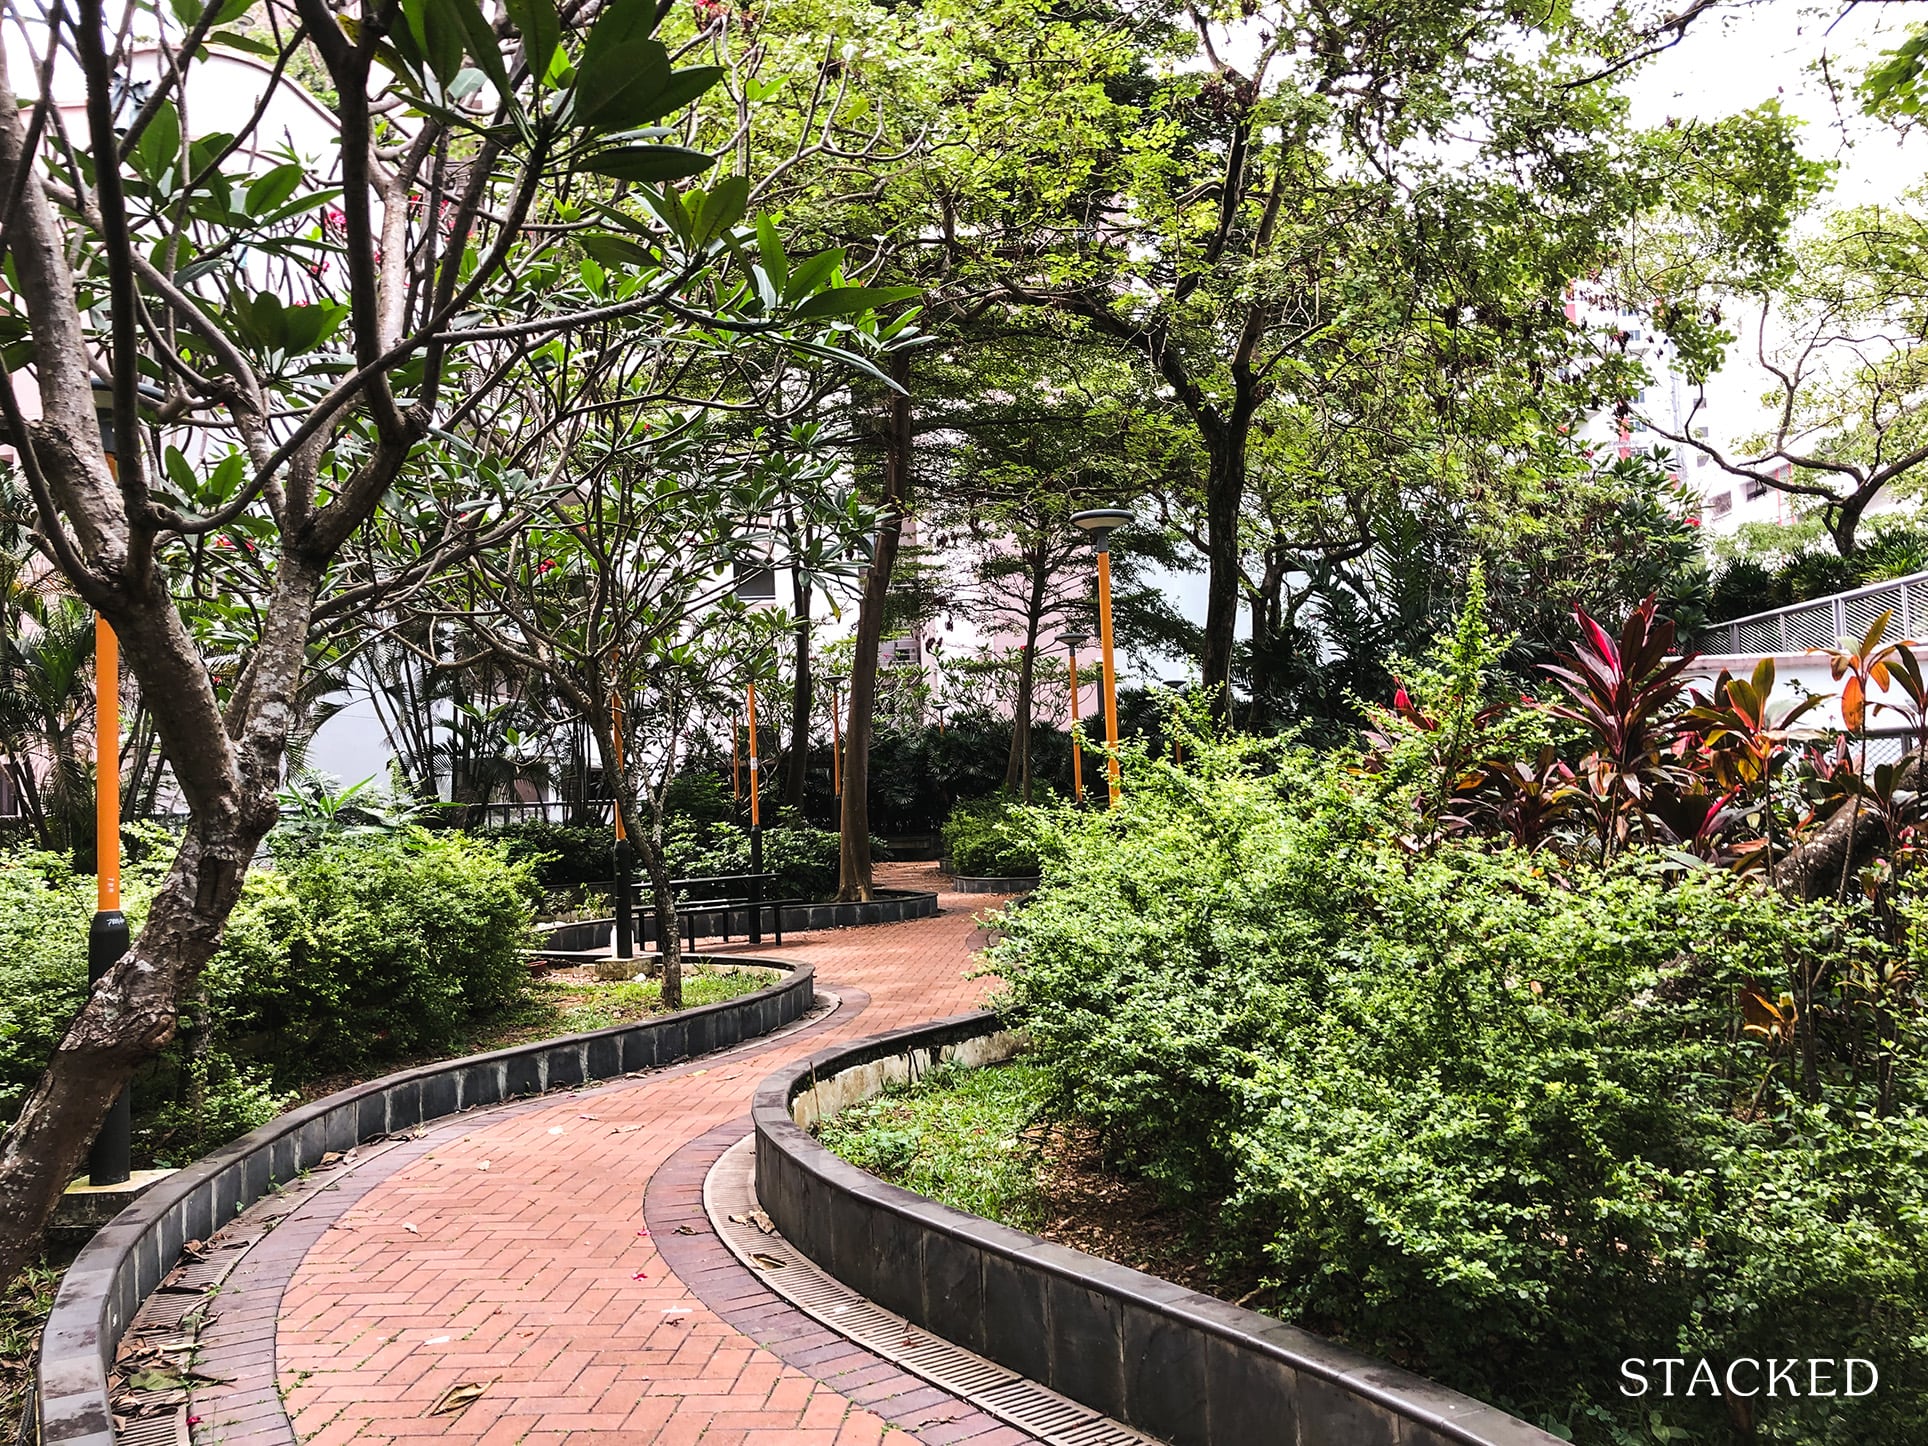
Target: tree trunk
(129, 1015)
(29, 786)
(854, 880)
(669, 936)
(1844, 520)
(800, 699)
(1017, 768)
(1224, 497)
(1813, 870)
(1267, 615)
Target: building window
(1700, 459)
(1753, 487)
(1720, 504)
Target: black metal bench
(751, 899)
(723, 893)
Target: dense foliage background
(1507, 1112)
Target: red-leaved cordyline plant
(1740, 742)
(1621, 691)
(1862, 665)
(1526, 800)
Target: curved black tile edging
(1178, 1365)
(891, 906)
(123, 1263)
(994, 883)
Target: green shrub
(804, 859)
(218, 1100)
(994, 837)
(45, 908)
(1484, 1113)
(371, 948)
(564, 856)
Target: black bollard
(111, 1161)
(625, 902)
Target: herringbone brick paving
(515, 1249)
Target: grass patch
(575, 1006)
(960, 1136)
(553, 1007)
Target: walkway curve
(514, 1250)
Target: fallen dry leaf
(459, 1398)
(768, 1262)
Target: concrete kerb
(994, 884)
(1181, 1366)
(124, 1263)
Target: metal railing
(1819, 623)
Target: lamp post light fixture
(1100, 523)
(938, 709)
(836, 682)
(1072, 642)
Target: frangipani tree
(283, 338)
(620, 594)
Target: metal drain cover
(169, 1429)
(729, 1198)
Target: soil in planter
(973, 1139)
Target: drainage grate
(204, 1272)
(729, 1198)
(163, 1430)
(169, 1309)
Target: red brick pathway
(513, 1248)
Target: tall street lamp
(756, 824)
(111, 1161)
(1100, 523)
(1072, 642)
(836, 682)
(624, 859)
(756, 583)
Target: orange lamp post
(1100, 523)
(756, 828)
(756, 812)
(625, 900)
(111, 1160)
(1072, 642)
(836, 682)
